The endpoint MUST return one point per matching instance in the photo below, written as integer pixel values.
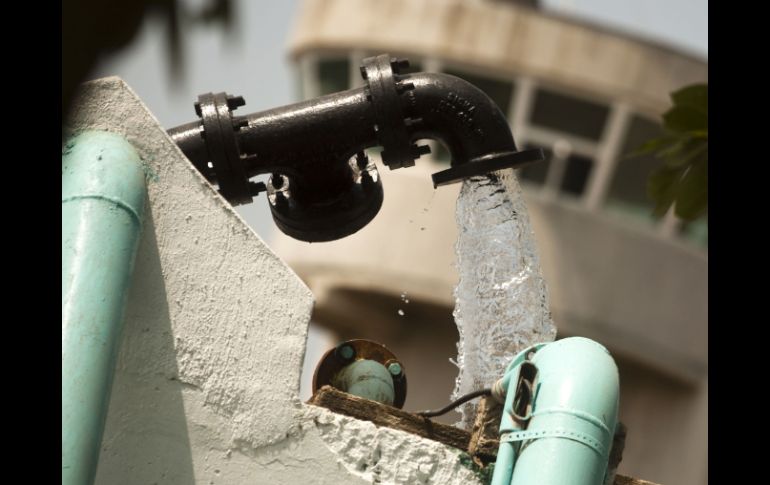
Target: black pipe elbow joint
(323, 186)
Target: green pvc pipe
(572, 421)
(103, 197)
(368, 379)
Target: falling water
(501, 301)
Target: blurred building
(587, 95)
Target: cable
(454, 404)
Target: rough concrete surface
(207, 380)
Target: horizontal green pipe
(103, 198)
(368, 379)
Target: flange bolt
(346, 352)
(395, 369)
(398, 64)
(234, 102)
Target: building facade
(589, 97)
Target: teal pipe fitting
(103, 198)
(559, 414)
(368, 379)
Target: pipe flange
(337, 359)
(384, 90)
(215, 111)
(332, 219)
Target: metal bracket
(555, 433)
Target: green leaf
(702, 134)
(692, 194)
(662, 188)
(653, 145)
(683, 119)
(690, 110)
(683, 178)
(690, 150)
(672, 150)
(695, 96)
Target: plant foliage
(682, 180)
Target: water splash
(501, 301)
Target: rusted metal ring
(334, 360)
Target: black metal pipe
(312, 144)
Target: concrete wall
(207, 380)
(667, 422)
(642, 294)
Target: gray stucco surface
(207, 380)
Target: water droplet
(401, 312)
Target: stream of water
(501, 300)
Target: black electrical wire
(454, 404)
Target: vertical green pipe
(103, 196)
(574, 414)
(577, 398)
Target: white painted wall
(207, 381)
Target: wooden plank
(621, 480)
(616, 451)
(484, 434)
(478, 445)
(382, 415)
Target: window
(576, 170)
(501, 92)
(537, 172)
(576, 174)
(567, 114)
(333, 75)
(628, 189)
